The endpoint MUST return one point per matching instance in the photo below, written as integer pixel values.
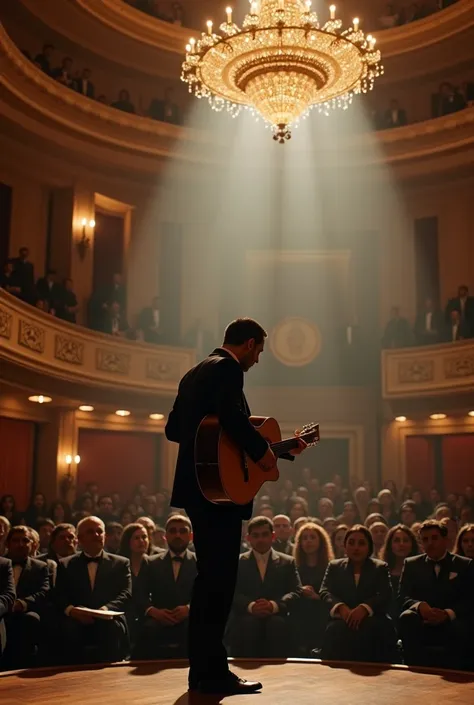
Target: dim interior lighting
(86, 407)
(400, 419)
(77, 459)
(40, 399)
(68, 459)
(122, 412)
(470, 413)
(84, 222)
(92, 223)
(437, 417)
(157, 417)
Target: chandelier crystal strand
(281, 63)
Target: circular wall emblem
(295, 342)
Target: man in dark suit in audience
(397, 332)
(268, 585)
(457, 328)
(462, 303)
(32, 584)
(429, 324)
(84, 85)
(436, 594)
(283, 532)
(99, 581)
(44, 58)
(62, 543)
(150, 322)
(170, 582)
(48, 290)
(25, 275)
(7, 596)
(394, 116)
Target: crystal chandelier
(281, 63)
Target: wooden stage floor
(285, 683)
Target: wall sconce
(69, 459)
(67, 482)
(84, 243)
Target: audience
(134, 545)
(283, 532)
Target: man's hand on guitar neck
(268, 462)
(302, 445)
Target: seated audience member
(452, 527)
(283, 533)
(170, 583)
(442, 511)
(359, 593)
(457, 329)
(436, 595)
(374, 507)
(62, 543)
(113, 536)
(447, 100)
(7, 596)
(9, 279)
(422, 508)
(32, 583)
(63, 74)
(325, 508)
(268, 586)
(105, 509)
(349, 515)
(394, 116)
(378, 531)
(134, 546)
(428, 325)
(150, 526)
(332, 491)
(25, 273)
(84, 85)
(298, 509)
(361, 500)
(98, 580)
(159, 537)
(165, 110)
(373, 518)
(48, 290)
(466, 515)
(43, 60)
(67, 306)
(60, 512)
(397, 332)
(338, 541)
(45, 529)
(387, 502)
(36, 511)
(465, 542)
(266, 510)
(408, 513)
(124, 103)
(312, 552)
(330, 525)
(114, 322)
(400, 543)
(5, 527)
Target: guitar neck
(282, 447)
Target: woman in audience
(359, 594)
(299, 523)
(441, 511)
(361, 499)
(338, 539)
(389, 511)
(452, 527)
(349, 514)
(372, 518)
(325, 508)
(126, 517)
(134, 545)
(374, 507)
(312, 552)
(60, 512)
(465, 542)
(378, 531)
(8, 509)
(36, 510)
(400, 544)
(5, 527)
(330, 525)
(390, 485)
(298, 509)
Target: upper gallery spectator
(7, 593)
(283, 533)
(389, 18)
(149, 322)
(436, 590)
(268, 585)
(394, 116)
(9, 279)
(165, 110)
(457, 329)
(447, 100)
(359, 593)
(48, 290)
(44, 58)
(462, 303)
(63, 73)
(67, 305)
(467, 90)
(32, 584)
(115, 322)
(62, 543)
(25, 272)
(397, 332)
(84, 85)
(124, 103)
(170, 582)
(98, 580)
(428, 324)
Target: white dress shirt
(262, 564)
(176, 565)
(92, 568)
(454, 332)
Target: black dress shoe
(232, 685)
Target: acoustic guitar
(225, 473)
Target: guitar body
(225, 473)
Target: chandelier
(281, 63)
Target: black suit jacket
(464, 332)
(112, 587)
(282, 582)
(214, 386)
(455, 305)
(401, 118)
(437, 328)
(34, 584)
(452, 589)
(7, 587)
(374, 588)
(164, 591)
(25, 274)
(50, 294)
(78, 86)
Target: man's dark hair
(360, 529)
(243, 329)
(111, 525)
(57, 530)
(433, 524)
(105, 496)
(45, 522)
(256, 522)
(178, 519)
(19, 529)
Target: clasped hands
(353, 618)
(169, 618)
(432, 615)
(269, 460)
(310, 593)
(262, 608)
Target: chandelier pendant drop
(281, 63)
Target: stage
(300, 682)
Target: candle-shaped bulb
(372, 42)
(229, 15)
(188, 48)
(68, 459)
(192, 43)
(355, 22)
(77, 459)
(253, 8)
(209, 26)
(332, 10)
(84, 222)
(308, 5)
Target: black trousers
(375, 641)
(217, 531)
(107, 641)
(23, 639)
(156, 641)
(252, 637)
(446, 645)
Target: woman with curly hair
(465, 542)
(312, 552)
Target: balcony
(41, 352)
(429, 371)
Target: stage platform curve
(296, 681)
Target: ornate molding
(413, 371)
(69, 350)
(31, 336)
(5, 324)
(114, 362)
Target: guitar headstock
(310, 434)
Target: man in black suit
(7, 595)
(23, 622)
(149, 322)
(84, 85)
(283, 532)
(457, 328)
(62, 543)
(215, 386)
(25, 275)
(428, 325)
(48, 290)
(44, 58)
(397, 332)
(100, 581)
(268, 585)
(436, 594)
(394, 116)
(170, 577)
(464, 304)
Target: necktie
(178, 559)
(92, 559)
